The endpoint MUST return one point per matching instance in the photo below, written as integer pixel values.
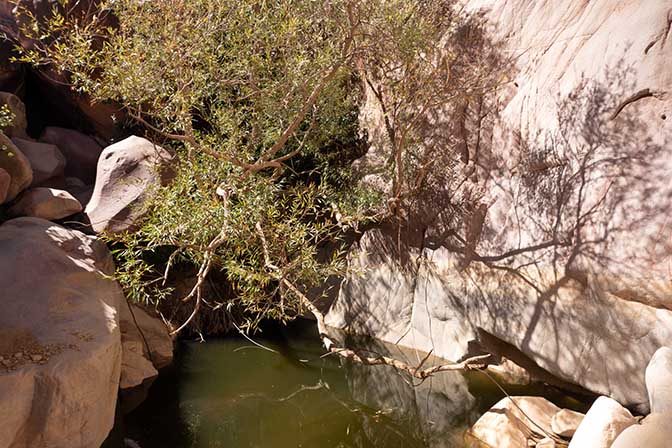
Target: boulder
(146, 345)
(505, 426)
(16, 165)
(566, 422)
(5, 181)
(655, 431)
(128, 172)
(81, 151)
(59, 337)
(18, 109)
(46, 160)
(45, 203)
(659, 381)
(546, 442)
(603, 422)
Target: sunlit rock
(603, 422)
(128, 172)
(59, 337)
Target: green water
(229, 393)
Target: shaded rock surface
(18, 110)
(81, 151)
(506, 426)
(46, 160)
(603, 422)
(60, 343)
(45, 203)
(128, 171)
(5, 181)
(16, 165)
(146, 344)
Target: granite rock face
(563, 254)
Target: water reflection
(229, 393)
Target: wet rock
(566, 422)
(45, 203)
(505, 426)
(46, 160)
(146, 345)
(57, 304)
(18, 109)
(655, 431)
(81, 151)
(659, 381)
(603, 422)
(16, 165)
(128, 172)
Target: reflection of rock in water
(436, 411)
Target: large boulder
(146, 344)
(514, 423)
(81, 151)
(59, 337)
(128, 172)
(46, 160)
(16, 165)
(658, 376)
(655, 431)
(603, 422)
(18, 110)
(45, 203)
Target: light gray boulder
(81, 151)
(603, 422)
(59, 337)
(46, 160)
(45, 203)
(128, 172)
(655, 431)
(506, 426)
(16, 165)
(659, 381)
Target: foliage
(259, 99)
(6, 117)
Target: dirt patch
(19, 347)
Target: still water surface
(229, 393)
